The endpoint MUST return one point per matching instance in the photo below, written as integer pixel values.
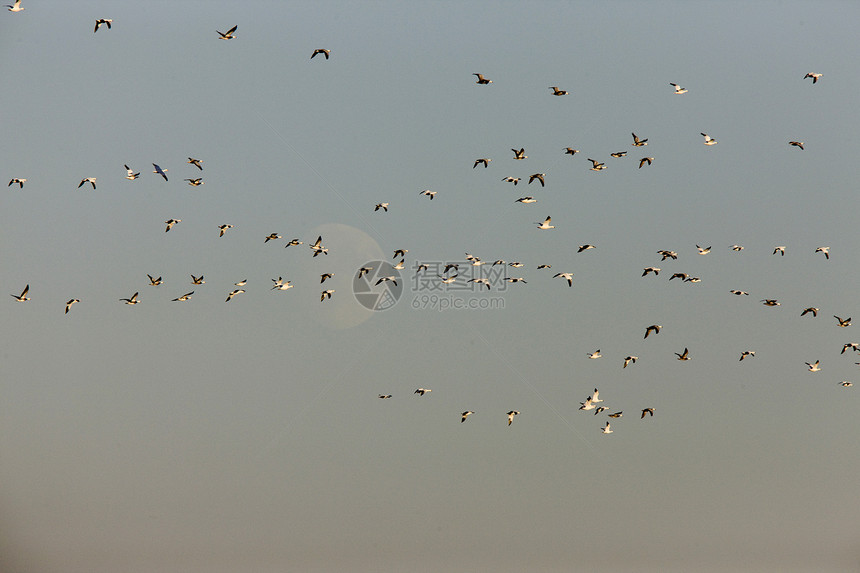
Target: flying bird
(796, 144)
(682, 276)
(325, 276)
(272, 237)
(170, 223)
(399, 253)
(619, 154)
(318, 248)
(557, 92)
(570, 151)
(19, 182)
(521, 154)
(709, 140)
(293, 243)
(595, 354)
(422, 391)
(429, 193)
(703, 250)
(645, 160)
(678, 89)
(769, 302)
(638, 142)
(546, 224)
(846, 384)
(684, 356)
(23, 296)
(566, 276)
(485, 161)
(585, 247)
(70, 303)
(739, 292)
(154, 281)
(855, 346)
(647, 411)
(539, 177)
(629, 360)
(615, 415)
(476, 261)
(385, 396)
(482, 80)
(746, 353)
(322, 51)
(814, 367)
(131, 175)
(90, 180)
(326, 294)
(737, 248)
(197, 280)
(596, 165)
(223, 229)
(668, 255)
(100, 21)
(234, 293)
(196, 163)
(815, 77)
(132, 300)
(195, 182)
(825, 250)
(511, 415)
(780, 250)
(843, 323)
(159, 171)
(184, 297)
(526, 200)
(465, 415)
(229, 35)
(655, 328)
(15, 7)
(812, 309)
(606, 429)
(655, 270)
(513, 180)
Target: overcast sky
(248, 436)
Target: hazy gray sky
(204, 436)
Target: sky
(210, 436)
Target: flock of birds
(451, 272)
(592, 401)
